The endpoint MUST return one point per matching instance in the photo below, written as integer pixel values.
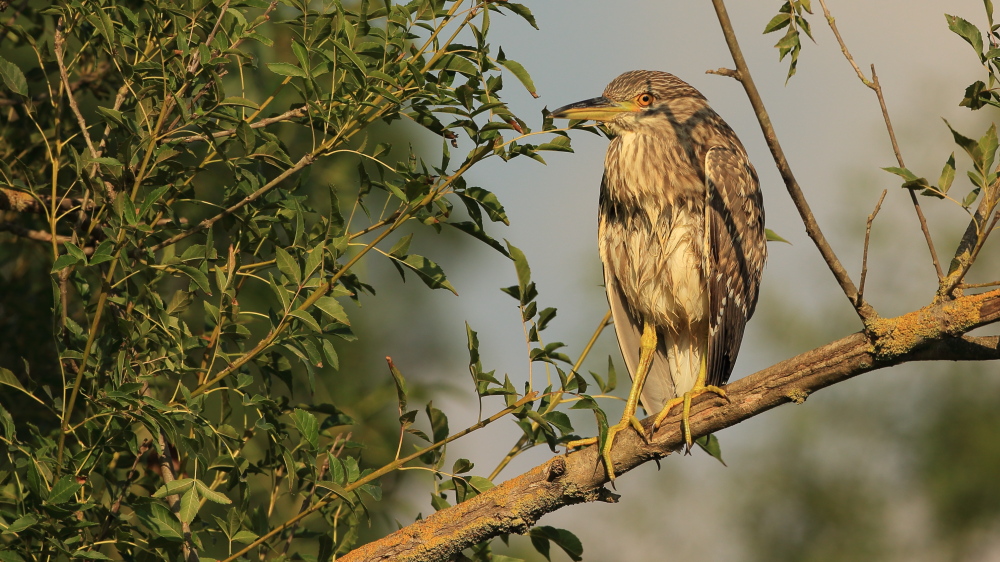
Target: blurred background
(901, 464)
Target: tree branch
(877, 88)
(935, 332)
(812, 227)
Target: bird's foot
(609, 440)
(686, 411)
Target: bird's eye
(644, 100)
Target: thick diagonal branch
(935, 332)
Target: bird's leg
(647, 347)
(698, 389)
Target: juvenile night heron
(681, 235)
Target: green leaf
(197, 276)
(523, 272)
(521, 10)
(307, 425)
(400, 382)
(10, 556)
(307, 319)
(474, 230)
(777, 22)
(988, 145)
(402, 247)
(429, 272)
(773, 236)
(63, 490)
(173, 487)
(210, 494)
(349, 53)
(7, 378)
(456, 63)
(245, 537)
(286, 69)
(336, 489)
(489, 202)
(966, 31)
(13, 78)
(970, 146)
(541, 536)
(912, 181)
(710, 444)
(518, 70)
(287, 265)
(462, 466)
(160, 520)
(189, 505)
(332, 308)
(947, 174)
(21, 523)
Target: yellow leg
(647, 346)
(699, 388)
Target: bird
(681, 237)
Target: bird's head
(635, 97)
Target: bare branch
(913, 195)
(39, 235)
(864, 310)
(60, 46)
(874, 85)
(931, 333)
(286, 116)
(868, 233)
(843, 47)
(725, 72)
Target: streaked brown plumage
(681, 236)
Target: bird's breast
(652, 230)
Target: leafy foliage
(168, 164)
(790, 16)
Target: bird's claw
(609, 440)
(686, 410)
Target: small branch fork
(868, 233)
(935, 332)
(877, 88)
(742, 73)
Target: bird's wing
(659, 386)
(735, 220)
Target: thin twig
(913, 195)
(868, 233)
(843, 46)
(291, 114)
(59, 46)
(39, 235)
(979, 285)
(812, 227)
(877, 88)
(725, 72)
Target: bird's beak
(597, 109)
